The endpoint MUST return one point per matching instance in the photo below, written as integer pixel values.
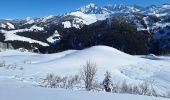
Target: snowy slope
(15, 90)
(54, 38)
(66, 24)
(11, 89)
(88, 19)
(133, 69)
(12, 36)
(10, 26)
(2, 25)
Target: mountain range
(129, 28)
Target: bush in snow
(144, 89)
(72, 81)
(10, 66)
(107, 82)
(115, 88)
(52, 81)
(136, 90)
(97, 86)
(88, 73)
(153, 92)
(124, 87)
(141, 89)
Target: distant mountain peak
(166, 5)
(91, 5)
(89, 9)
(122, 8)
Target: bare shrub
(153, 92)
(136, 90)
(144, 89)
(115, 88)
(141, 89)
(88, 74)
(97, 86)
(50, 81)
(130, 90)
(67, 82)
(73, 81)
(124, 87)
(10, 66)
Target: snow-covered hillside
(30, 68)
(10, 89)
(88, 19)
(12, 36)
(13, 90)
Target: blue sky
(35, 8)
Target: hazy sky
(32, 8)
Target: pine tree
(107, 82)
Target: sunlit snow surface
(19, 83)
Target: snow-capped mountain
(108, 9)
(157, 10)
(120, 8)
(65, 31)
(90, 9)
